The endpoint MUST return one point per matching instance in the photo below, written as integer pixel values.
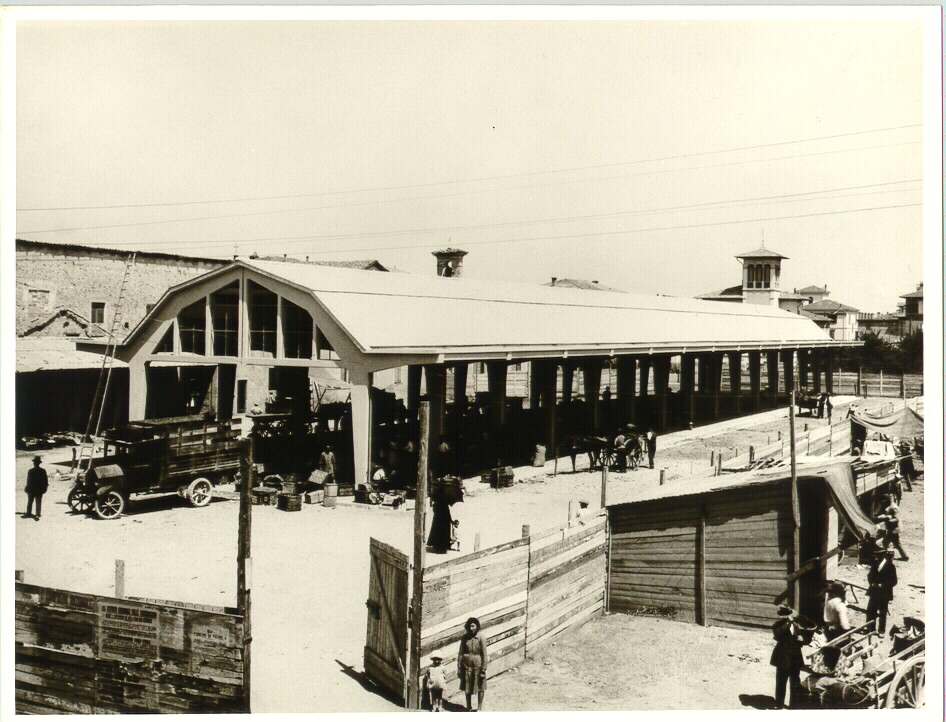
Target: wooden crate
(289, 502)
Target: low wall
(88, 654)
(524, 593)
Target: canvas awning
(902, 423)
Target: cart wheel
(908, 688)
(78, 501)
(110, 505)
(200, 492)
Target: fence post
(604, 485)
(751, 454)
(413, 692)
(525, 531)
(881, 382)
(572, 511)
(245, 560)
(476, 542)
(663, 476)
(120, 578)
(860, 390)
(712, 458)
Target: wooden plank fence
(524, 592)
(88, 654)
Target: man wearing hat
(37, 482)
(471, 664)
(787, 657)
(881, 579)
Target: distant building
(911, 315)
(761, 284)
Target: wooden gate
(386, 638)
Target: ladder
(97, 411)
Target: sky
(644, 154)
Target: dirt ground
(310, 583)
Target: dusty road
(310, 581)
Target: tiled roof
(829, 306)
(812, 289)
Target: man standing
(881, 579)
(37, 482)
(786, 657)
(891, 519)
(651, 447)
(835, 612)
(327, 464)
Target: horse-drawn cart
(851, 672)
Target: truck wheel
(200, 492)
(109, 505)
(78, 501)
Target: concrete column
(361, 422)
(645, 374)
(816, 356)
(788, 368)
(627, 388)
(435, 378)
(687, 379)
(829, 370)
(771, 365)
(547, 374)
(137, 391)
(705, 375)
(755, 378)
(568, 378)
(496, 377)
(661, 390)
(803, 362)
(735, 378)
(591, 372)
(535, 384)
(459, 389)
(413, 389)
(716, 379)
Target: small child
(436, 681)
(454, 540)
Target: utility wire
(479, 179)
(462, 193)
(758, 200)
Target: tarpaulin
(840, 481)
(903, 423)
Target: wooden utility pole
(413, 695)
(119, 578)
(796, 514)
(244, 560)
(604, 486)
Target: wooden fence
(523, 592)
(88, 654)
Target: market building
(218, 342)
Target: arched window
(778, 270)
(768, 276)
(750, 275)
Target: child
(435, 683)
(454, 540)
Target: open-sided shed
(723, 550)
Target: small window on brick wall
(39, 299)
(98, 312)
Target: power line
(480, 179)
(481, 226)
(629, 230)
(793, 156)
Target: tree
(910, 350)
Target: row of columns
(700, 374)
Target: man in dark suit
(787, 657)
(881, 579)
(37, 482)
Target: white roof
(463, 317)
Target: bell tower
(450, 262)
(761, 276)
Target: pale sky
(571, 148)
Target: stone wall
(53, 276)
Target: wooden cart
(186, 455)
(896, 681)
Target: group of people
(825, 406)
(792, 632)
(471, 670)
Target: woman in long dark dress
(440, 528)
